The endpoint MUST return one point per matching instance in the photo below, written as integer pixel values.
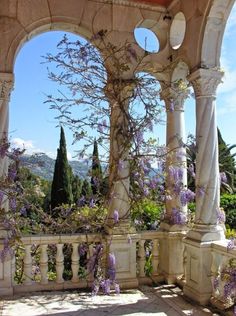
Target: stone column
(122, 237)
(206, 229)
(205, 83)
(6, 267)
(6, 85)
(171, 247)
(176, 153)
(119, 93)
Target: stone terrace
(161, 300)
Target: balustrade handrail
(61, 238)
(222, 247)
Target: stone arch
(214, 31)
(18, 43)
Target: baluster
(75, 263)
(91, 252)
(223, 261)
(44, 264)
(183, 278)
(28, 265)
(13, 267)
(59, 263)
(155, 256)
(141, 258)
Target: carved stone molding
(135, 4)
(174, 98)
(205, 82)
(6, 86)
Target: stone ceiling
(157, 2)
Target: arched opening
(177, 30)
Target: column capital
(205, 81)
(174, 97)
(6, 85)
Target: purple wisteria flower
(172, 106)
(111, 271)
(223, 177)
(178, 217)
(231, 244)
(4, 146)
(139, 138)
(121, 165)
(186, 196)
(200, 191)
(12, 203)
(1, 197)
(220, 216)
(116, 216)
(191, 170)
(12, 174)
(92, 203)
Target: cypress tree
(61, 192)
(96, 172)
(76, 188)
(86, 189)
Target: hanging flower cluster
(227, 278)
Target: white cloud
(51, 154)
(30, 148)
(22, 144)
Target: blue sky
(33, 126)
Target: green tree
(86, 190)
(76, 188)
(227, 164)
(96, 171)
(61, 192)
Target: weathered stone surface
(31, 12)
(8, 8)
(71, 9)
(126, 18)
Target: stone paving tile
(163, 300)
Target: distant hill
(43, 166)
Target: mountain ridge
(42, 165)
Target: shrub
(228, 202)
(146, 214)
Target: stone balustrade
(37, 253)
(223, 271)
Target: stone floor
(162, 300)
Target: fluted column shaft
(174, 99)
(205, 83)
(6, 85)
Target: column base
(124, 249)
(200, 298)
(173, 228)
(172, 253)
(204, 233)
(198, 284)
